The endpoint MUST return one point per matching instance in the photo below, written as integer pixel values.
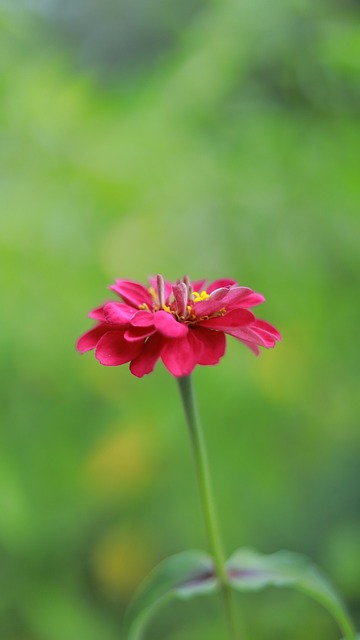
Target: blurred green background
(218, 139)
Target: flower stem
(208, 505)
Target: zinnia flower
(184, 324)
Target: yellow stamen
(144, 306)
(198, 297)
(166, 308)
(152, 292)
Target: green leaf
(251, 571)
(183, 576)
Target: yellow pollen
(198, 297)
(152, 292)
(191, 313)
(144, 306)
(166, 308)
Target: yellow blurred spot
(166, 308)
(121, 464)
(107, 386)
(120, 561)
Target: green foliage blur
(218, 139)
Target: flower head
(184, 324)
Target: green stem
(202, 469)
(341, 617)
(345, 625)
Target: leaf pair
(191, 573)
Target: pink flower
(184, 324)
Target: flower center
(187, 311)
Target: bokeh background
(218, 139)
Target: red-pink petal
(98, 313)
(133, 293)
(236, 318)
(166, 324)
(168, 287)
(233, 297)
(113, 350)
(181, 355)
(145, 362)
(90, 339)
(142, 319)
(268, 328)
(251, 300)
(260, 332)
(212, 304)
(180, 292)
(118, 313)
(214, 345)
(138, 333)
(253, 347)
(249, 334)
(219, 284)
(241, 297)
